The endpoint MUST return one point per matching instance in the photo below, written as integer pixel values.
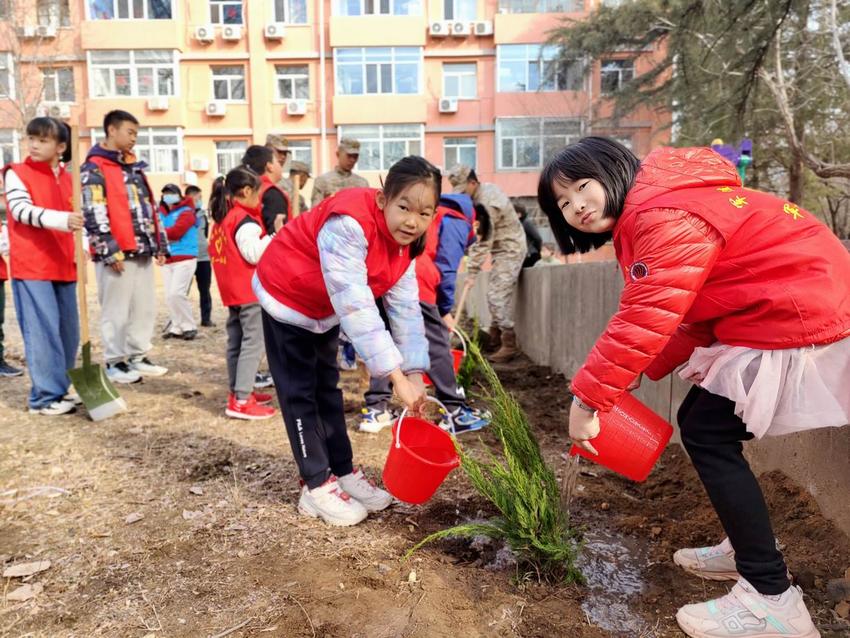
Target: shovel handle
(76, 201)
(462, 302)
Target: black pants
(712, 435)
(442, 370)
(306, 377)
(203, 275)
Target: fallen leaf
(847, 574)
(411, 577)
(25, 592)
(604, 506)
(843, 609)
(655, 531)
(26, 569)
(135, 517)
(196, 490)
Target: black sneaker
(189, 335)
(9, 371)
(263, 380)
(207, 324)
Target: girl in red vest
(237, 241)
(747, 290)
(325, 269)
(42, 264)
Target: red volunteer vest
(38, 253)
(266, 184)
(4, 274)
(232, 273)
(290, 270)
(427, 274)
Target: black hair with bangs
(52, 128)
(600, 158)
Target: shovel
(90, 381)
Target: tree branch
(843, 65)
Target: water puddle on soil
(613, 568)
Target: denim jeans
(47, 314)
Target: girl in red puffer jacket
(747, 290)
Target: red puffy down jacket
(706, 260)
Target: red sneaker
(248, 409)
(262, 398)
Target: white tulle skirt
(778, 391)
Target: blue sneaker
(9, 371)
(374, 420)
(465, 419)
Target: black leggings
(712, 435)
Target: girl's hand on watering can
(584, 426)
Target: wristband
(583, 405)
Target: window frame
(340, 8)
(456, 14)
(287, 10)
(57, 85)
(292, 79)
(459, 77)
(344, 131)
(14, 144)
(228, 152)
(540, 6)
(297, 149)
(146, 134)
(145, 9)
(228, 78)
(364, 64)
(446, 146)
(221, 4)
(544, 54)
(133, 67)
(620, 72)
(541, 136)
(10, 71)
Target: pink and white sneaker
(711, 563)
(332, 504)
(372, 497)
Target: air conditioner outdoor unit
(448, 105)
(205, 33)
(439, 29)
(45, 31)
(200, 164)
(296, 107)
(62, 111)
(461, 29)
(231, 32)
(159, 103)
(274, 31)
(484, 27)
(216, 109)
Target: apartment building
(467, 81)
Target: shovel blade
(95, 389)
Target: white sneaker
(745, 613)
(330, 503)
(374, 420)
(73, 397)
(122, 373)
(711, 563)
(143, 366)
(372, 497)
(56, 408)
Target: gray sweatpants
(127, 308)
(245, 346)
(442, 370)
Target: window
(228, 155)
(532, 67)
(615, 73)
(8, 146)
(129, 9)
(459, 150)
(302, 151)
(527, 143)
(228, 83)
(460, 10)
(378, 70)
(160, 148)
(541, 6)
(58, 84)
(293, 82)
(382, 145)
(290, 11)
(460, 80)
(226, 11)
(53, 13)
(7, 81)
(132, 73)
(379, 7)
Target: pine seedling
(522, 488)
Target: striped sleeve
(25, 212)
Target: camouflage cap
(458, 176)
(277, 142)
(349, 145)
(299, 167)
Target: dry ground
(218, 548)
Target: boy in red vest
(274, 201)
(125, 238)
(41, 249)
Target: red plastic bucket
(631, 438)
(457, 357)
(420, 457)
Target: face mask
(171, 198)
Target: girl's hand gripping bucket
(420, 457)
(631, 438)
(457, 356)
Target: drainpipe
(323, 105)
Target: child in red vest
(751, 293)
(325, 269)
(274, 202)
(237, 241)
(42, 263)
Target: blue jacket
(185, 244)
(456, 237)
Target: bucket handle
(459, 335)
(404, 413)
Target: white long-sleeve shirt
(25, 212)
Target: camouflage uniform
(506, 245)
(336, 180)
